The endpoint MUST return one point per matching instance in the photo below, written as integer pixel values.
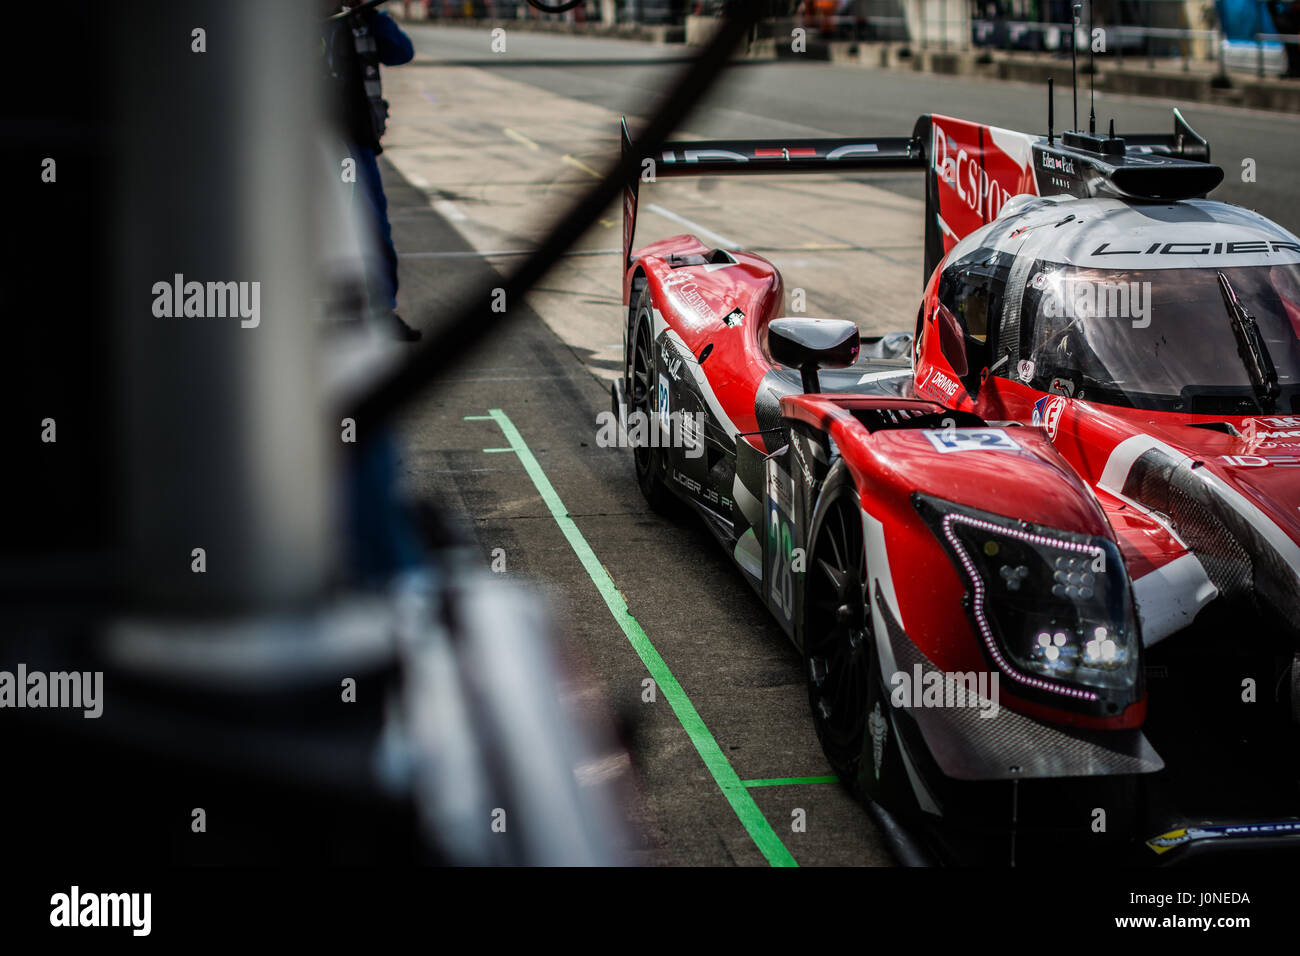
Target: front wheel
(846, 690)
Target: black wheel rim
(642, 398)
(838, 633)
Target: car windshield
(1158, 338)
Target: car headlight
(1054, 608)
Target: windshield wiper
(1251, 348)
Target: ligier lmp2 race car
(1040, 554)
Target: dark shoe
(400, 330)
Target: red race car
(1041, 554)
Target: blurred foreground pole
(221, 440)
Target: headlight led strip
(986, 632)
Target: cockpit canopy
(1129, 305)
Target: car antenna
(1092, 73)
(1074, 63)
(1051, 109)
(1112, 128)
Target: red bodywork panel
(694, 301)
(1034, 484)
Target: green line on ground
(496, 451)
(789, 781)
(478, 418)
(728, 781)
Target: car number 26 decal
(970, 439)
(782, 555)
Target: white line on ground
(449, 210)
(719, 240)
(488, 253)
(519, 137)
(576, 163)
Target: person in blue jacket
(353, 47)
(381, 541)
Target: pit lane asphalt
(737, 668)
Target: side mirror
(812, 344)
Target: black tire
(847, 693)
(642, 382)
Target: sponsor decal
(1289, 421)
(947, 440)
(878, 727)
(962, 170)
(734, 317)
(670, 361)
(711, 496)
(1201, 248)
(1175, 838)
(1256, 437)
(801, 458)
(785, 558)
(1056, 164)
(783, 153)
(687, 482)
(1047, 414)
(687, 290)
(1261, 461)
(941, 382)
(1025, 369)
(707, 495)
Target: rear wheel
(846, 690)
(644, 381)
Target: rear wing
(731, 157)
(970, 169)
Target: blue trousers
(380, 256)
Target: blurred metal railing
(935, 24)
(980, 25)
(650, 12)
(1125, 37)
(1115, 33)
